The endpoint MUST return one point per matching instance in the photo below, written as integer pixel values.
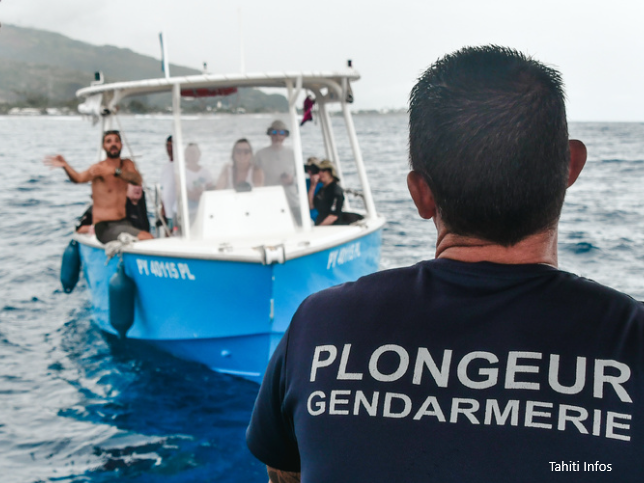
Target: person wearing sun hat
(278, 164)
(330, 198)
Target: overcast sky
(597, 46)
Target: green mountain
(40, 68)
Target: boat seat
(228, 213)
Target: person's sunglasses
(243, 151)
(281, 132)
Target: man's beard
(114, 155)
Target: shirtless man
(109, 179)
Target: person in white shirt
(169, 186)
(278, 164)
(198, 178)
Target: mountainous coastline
(42, 69)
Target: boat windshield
(241, 174)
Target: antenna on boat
(165, 68)
(242, 63)
(98, 78)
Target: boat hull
(228, 315)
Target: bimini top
(332, 81)
(101, 101)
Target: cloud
(595, 46)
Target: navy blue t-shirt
(458, 372)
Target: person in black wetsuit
(136, 212)
(330, 198)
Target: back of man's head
(488, 133)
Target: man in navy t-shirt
(487, 364)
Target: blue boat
(224, 291)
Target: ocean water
(76, 407)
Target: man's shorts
(107, 231)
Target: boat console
(262, 212)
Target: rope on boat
(127, 144)
(116, 247)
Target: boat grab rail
(310, 80)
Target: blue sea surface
(76, 406)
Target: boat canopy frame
(328, 88)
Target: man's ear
(578, 156)
(421, 194)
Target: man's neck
(538, 248)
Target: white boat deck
(252, 249)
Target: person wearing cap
(278, 164)
(312, 169)
(329, 200)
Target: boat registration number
(343, 255)
(164, 269)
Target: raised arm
(74, 176)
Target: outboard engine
(121, 294)
(70, 268)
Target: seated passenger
(329, 200)
(136, 212)
(136, 209)
(198, 178)
(168, 186)
(312, 169)
(241, 174)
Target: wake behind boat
(223, 292)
